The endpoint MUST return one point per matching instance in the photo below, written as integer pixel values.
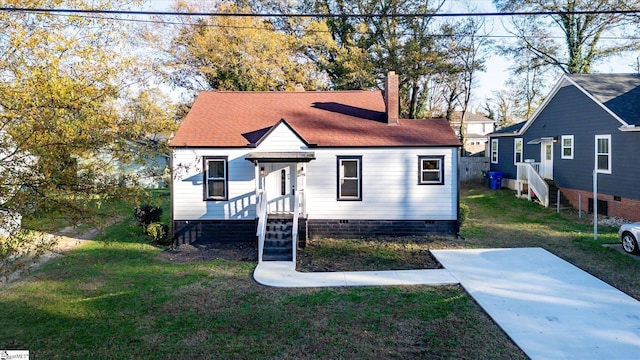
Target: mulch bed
(209, 252)
(420, 258)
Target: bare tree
(567, 41)
(467, 57)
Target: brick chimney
(391, 98)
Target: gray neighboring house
(588, 123)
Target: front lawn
(120, 298)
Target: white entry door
(280, 186)
(546, 159)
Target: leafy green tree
(366, 48)
(63, 85)
(238, 53)
(156, 119)
(427, 54)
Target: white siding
(281, 139)
(390, 187)
(188, 179)
(188, 193)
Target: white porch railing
(299, 197)
(299, 209)
(261, 210)
(528, 173)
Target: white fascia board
(514, 133)
(629, 128)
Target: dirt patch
(209, 252)
(65, 240)
(327, 255)
(405, 253)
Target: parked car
(629, 235)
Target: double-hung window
(517, 150)
(567, 146)
(349, 177)
(431, 170)
(215, 178)
(603, 154)
(494, 151)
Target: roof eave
(629, 128)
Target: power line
(240, 27)
(318, 15)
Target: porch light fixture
(262, 171)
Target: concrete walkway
(550, 308)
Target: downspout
(595, 201)
(458, 194)
(174, 239)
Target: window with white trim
(603, 154)
(517, 150)
(566, 141)
(215, 178)
(431, 170)
(349, 177)
(494, 151)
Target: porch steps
(553, 196)
(278, 242)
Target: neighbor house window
(603, 153)
(517, 150)
(215, 178)
(567, 146)
(431, 170)
(494, 151)
(350, 178)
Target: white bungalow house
(287, 166)
(477, 127)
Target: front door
(280, 187)
(546, 159)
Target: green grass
(118, 299)
(53, 221)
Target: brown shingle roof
(330, 118)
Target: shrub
(464, 213)
(146, 214)
(159, 233)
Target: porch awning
(295, 156)
(539, 140)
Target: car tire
(629, 243)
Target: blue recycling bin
(495, 180)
